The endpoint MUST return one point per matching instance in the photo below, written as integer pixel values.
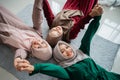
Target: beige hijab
(63, 19)
(52, 40)
(78, 56)
(42, 53)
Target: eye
(43, 44)
(39, 47)
(59, 28)
(35, 43)
(62, 50)
(53, 29)
(67, 47)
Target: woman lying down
(22, 37)
(72, 64)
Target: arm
(51, 70)
(86, 40)
(88, 17)
(48, 12)
(36, 15)
(45, 68)
(96, 11)
(19, 55)
(92, 28)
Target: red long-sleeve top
(79, 22)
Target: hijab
(42, 53)
(53, 39)
(78, 55)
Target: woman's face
(66, 51)
(39, 44)
(56, 31)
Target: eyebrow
(62, 50)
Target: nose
(40, 44)
(68, 51)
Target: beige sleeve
(36, 15)
(21, 53)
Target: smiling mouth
(69, 54)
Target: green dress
(86, 69)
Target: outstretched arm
(45, 68)
(96, 11)
(91, 13)
(86, 40)
(51, 70)
(37, 17)
(48, 12)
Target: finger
(18, 68)
(96, 5)
(22, 65)
(100, 10)
(19, 61)
(28, 69)
(24, 69)
(26, 61)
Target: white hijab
(78, 56)
(42, 53)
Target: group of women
(72, 64)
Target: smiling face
(56, 31)
(41, 49)
(39, 44)
(66, 50)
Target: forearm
(85, 20)
(86, 40)
(51, 70)
(89, 16)
(48, 12)
(37, 16)
(20, 53)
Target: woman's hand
(16, 61)
(19, 60)
(26, 67)
(96, 11)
